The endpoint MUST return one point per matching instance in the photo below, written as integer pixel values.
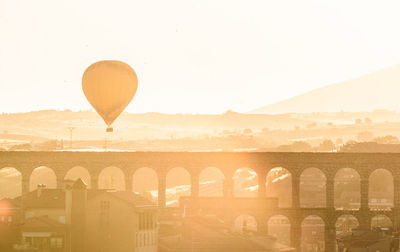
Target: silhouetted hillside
(377, 90)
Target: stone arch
(145, 183)
(10, 182)
(211, 182)
(245, 224)
(279, 184)
(347, 189)
(279, 226)
(245, 183)
(312, 188)
(112, 178)
(345, 224)
(178, 183)
(42, 175)
(381, 190)
(381, 220)
(78, 172)
(313, 234)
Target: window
(61, 219)
(141, 221)
(53, 242)
(28, 240)
(56, 242)
(9, 218)
(146, 220)
(59, 242)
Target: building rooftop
(7, 203)
(47, 198)
(42, 224)
(132, 198)
(206, 234)
(55, 198)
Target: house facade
(117, 221)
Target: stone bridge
(228, 162)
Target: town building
(210, 234)
(59, 220)
(9, 223)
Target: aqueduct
(261, 207)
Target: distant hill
(51, 124)
(379, 90)
(16, 137)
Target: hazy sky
(191, 56)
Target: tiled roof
(42, 221)
(364, 243)
(49, 198)
(133, 198)
(205, 238)
(130, 198)
(55, 198)
(9, 203)
(79, 184)
(42, 224)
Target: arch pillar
(364, 184)
(396, 203)
(162, 187)
(295, 191)
(364, 212)
(60, 180)
(128, 182)
(262, 189)
(330, 192)
(24, 190)
(330, 238)
(396, 185)
(364, 220)
(24, 183)
(295, 234)
(194, 188)
(94, 181)
(262, 226)
(228, 187)
(60, 170)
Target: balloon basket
(109, 129)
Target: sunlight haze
(207, 126)
(191, 56)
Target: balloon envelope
(109, 86)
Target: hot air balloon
(109, 86)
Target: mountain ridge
(373, 91)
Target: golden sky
(191, 56)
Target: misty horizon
(293, 104)
(199, 126)
(287, 58)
